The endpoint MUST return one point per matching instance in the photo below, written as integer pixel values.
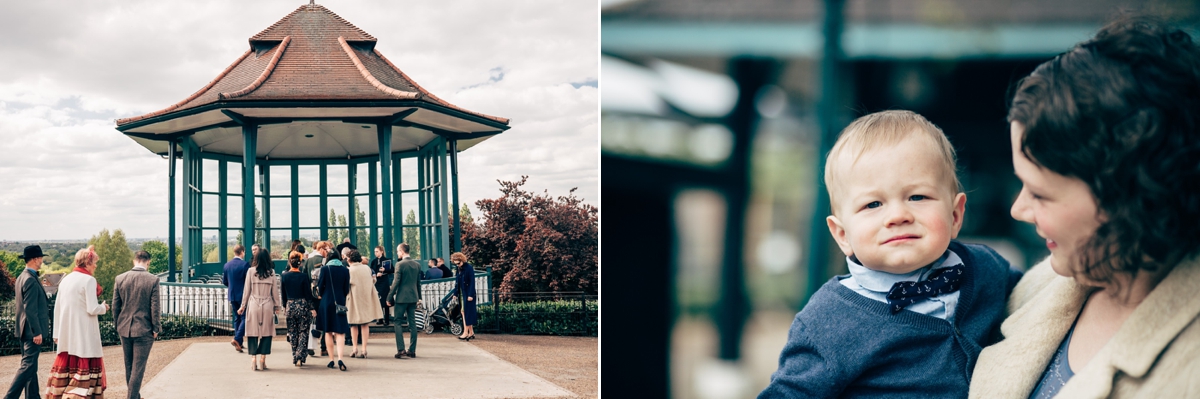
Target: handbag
(341, 309)
(419, 317)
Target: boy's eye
(873, 205)
(917, 198)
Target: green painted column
(295, 174)
(397, 219)
(443, 233)
(384, 131)
(188, 213)
(171, 211)
(249, 161)
(372, 206)
(422, 203)
(351, 210)
(457, 232)
(223, 211)
(324, 181)
(264, 173)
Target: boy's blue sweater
(843, 344)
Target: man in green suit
(33, 324)
(405, 293)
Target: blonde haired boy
(917, 307)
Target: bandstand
(311, 101)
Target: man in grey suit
(405, 293)
(33, 324)
(136, 314)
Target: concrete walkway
(215, 370)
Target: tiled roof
(310, 54)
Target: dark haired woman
(1106, 140)
(333, 284)
(260, 302)
(464, 286)
(296, 290)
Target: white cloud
(72, 67)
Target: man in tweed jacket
(136, 311)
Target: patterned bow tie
(941, 281)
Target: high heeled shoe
(330, 365)
(354, 355)
(341, 365)
(254, 364)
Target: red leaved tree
(536, 243)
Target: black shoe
(330, 365)
(341, 365)
(412, 354)
(400, 354)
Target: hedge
(554, 317)
(172, 327)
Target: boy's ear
(839, 234)
(960, 206)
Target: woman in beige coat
(362, 305)
(1105, 141)
(260, 302)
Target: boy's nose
(899, 215)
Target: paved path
(214, 370)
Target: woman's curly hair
(1120, 112)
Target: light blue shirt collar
(878, 281)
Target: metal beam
(457, 232)
(385, 169)
(295, 177)
(351, 210)
(171, 212)
(324, 181)
(829, 121)
(223, 207)
(249, 150)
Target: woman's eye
(917, 198)
(873, 205)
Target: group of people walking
(78, 370)
(330, 294)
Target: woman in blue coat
(333, 285)
(464, 285)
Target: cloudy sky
(71, 67)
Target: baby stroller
(447, 314)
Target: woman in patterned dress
(297, 294)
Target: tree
(464, 214)
(7, 283)
(15, 265)
(158, 256)
(364, 235)
(115, 258)
(259, 235)
(412, 235)
(536, 242)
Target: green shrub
(172, 327)
(556, 317)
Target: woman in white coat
(78, 370)
(362, 305)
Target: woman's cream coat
(1154, 354)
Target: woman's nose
(1020, 207)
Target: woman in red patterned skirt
(78, 371)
